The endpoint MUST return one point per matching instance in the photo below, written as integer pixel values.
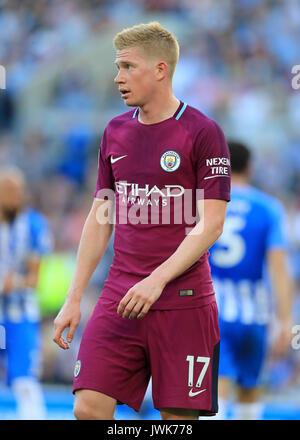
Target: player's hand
(140, 297)
(8, 283)
(68, 317)
(283, 340)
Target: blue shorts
(242, 352)
(21, 355)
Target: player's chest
(14, 241)
(151, 156)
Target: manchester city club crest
(170, 161)
(77, 368)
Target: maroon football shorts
(178, 348)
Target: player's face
(11, 197)
(136, 77)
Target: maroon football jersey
(158, 172)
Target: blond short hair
(153, 39)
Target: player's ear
(248, 172)
(161, 70)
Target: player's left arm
(30, 277)
(283, 289)
(41, 244)
(142, 295)
(15, 281)
(281, 281)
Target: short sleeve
(213, 162)
(277, 231)
(41, 236)
(105, 178)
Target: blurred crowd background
(235, 66)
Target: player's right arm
(93, 242)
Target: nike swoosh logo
(113, 160)
(192, 393)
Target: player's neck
(8, 215)
(161, 107)
(239, 180)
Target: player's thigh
(184, 357)
(179, 414)
(248, 395)
(224, 387)
(111, 358)
(93, 405)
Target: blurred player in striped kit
(248, 263)
(24, 238)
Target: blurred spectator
(7, 113)
(24, 238)
(75, 155)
